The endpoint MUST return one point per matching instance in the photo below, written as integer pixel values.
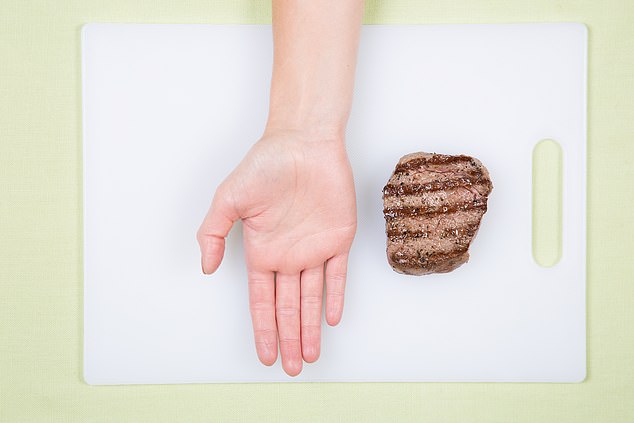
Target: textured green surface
(547, 202)
(40, 233)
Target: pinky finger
(336, 269)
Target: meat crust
(433, 205)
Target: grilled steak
(433, 204)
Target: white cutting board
(169, 110)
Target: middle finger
(288, 324)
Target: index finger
(262, 307)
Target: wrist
(319, 110)
(308, 134)
(311, 127)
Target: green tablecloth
(41, 248)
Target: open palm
(295, 196)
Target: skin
(294, 190)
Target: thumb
(215, 227)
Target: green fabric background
(41, 249)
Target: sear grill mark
(457, 234)
(464, 181)
(408, 211)
(435, 159)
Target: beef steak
(433, 205)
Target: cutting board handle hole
(547, 202)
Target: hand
(295, 196)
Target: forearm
(315, 49)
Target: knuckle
(287, 311)
(335, 293)
(336, 278)
(202, 236)
(311, 301)
(287, 282)
(266, 344)
(257, 306)
(265, 334)
(311, 327)
(258, 281)
(226, 196)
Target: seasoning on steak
(433, 204)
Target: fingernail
(202, 265)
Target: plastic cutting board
(169, 110)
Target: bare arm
(314, 63)
(294, 190)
